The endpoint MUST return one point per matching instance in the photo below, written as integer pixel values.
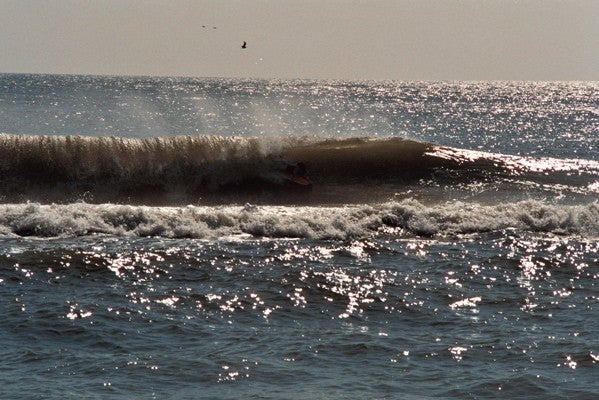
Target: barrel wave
(221, 170)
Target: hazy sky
(343, 39)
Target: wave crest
(228, 170)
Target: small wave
(408, 217)
(517, 165)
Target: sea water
(448, 246)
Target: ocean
(159, 240)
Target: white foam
(409, 216)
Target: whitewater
(152, 245)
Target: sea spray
(231, 170)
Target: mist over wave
(407, 217)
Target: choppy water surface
(508, 314)
(448, 246)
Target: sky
(541, 40)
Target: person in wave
(296, 173)
(298, 170)
(288, 173)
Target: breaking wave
(231, 170)
(407, 217)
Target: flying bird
(244, 45)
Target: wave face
(225, 170)
(408, 217)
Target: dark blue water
(496, 315)
(463, 284)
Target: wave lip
(408, 217)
